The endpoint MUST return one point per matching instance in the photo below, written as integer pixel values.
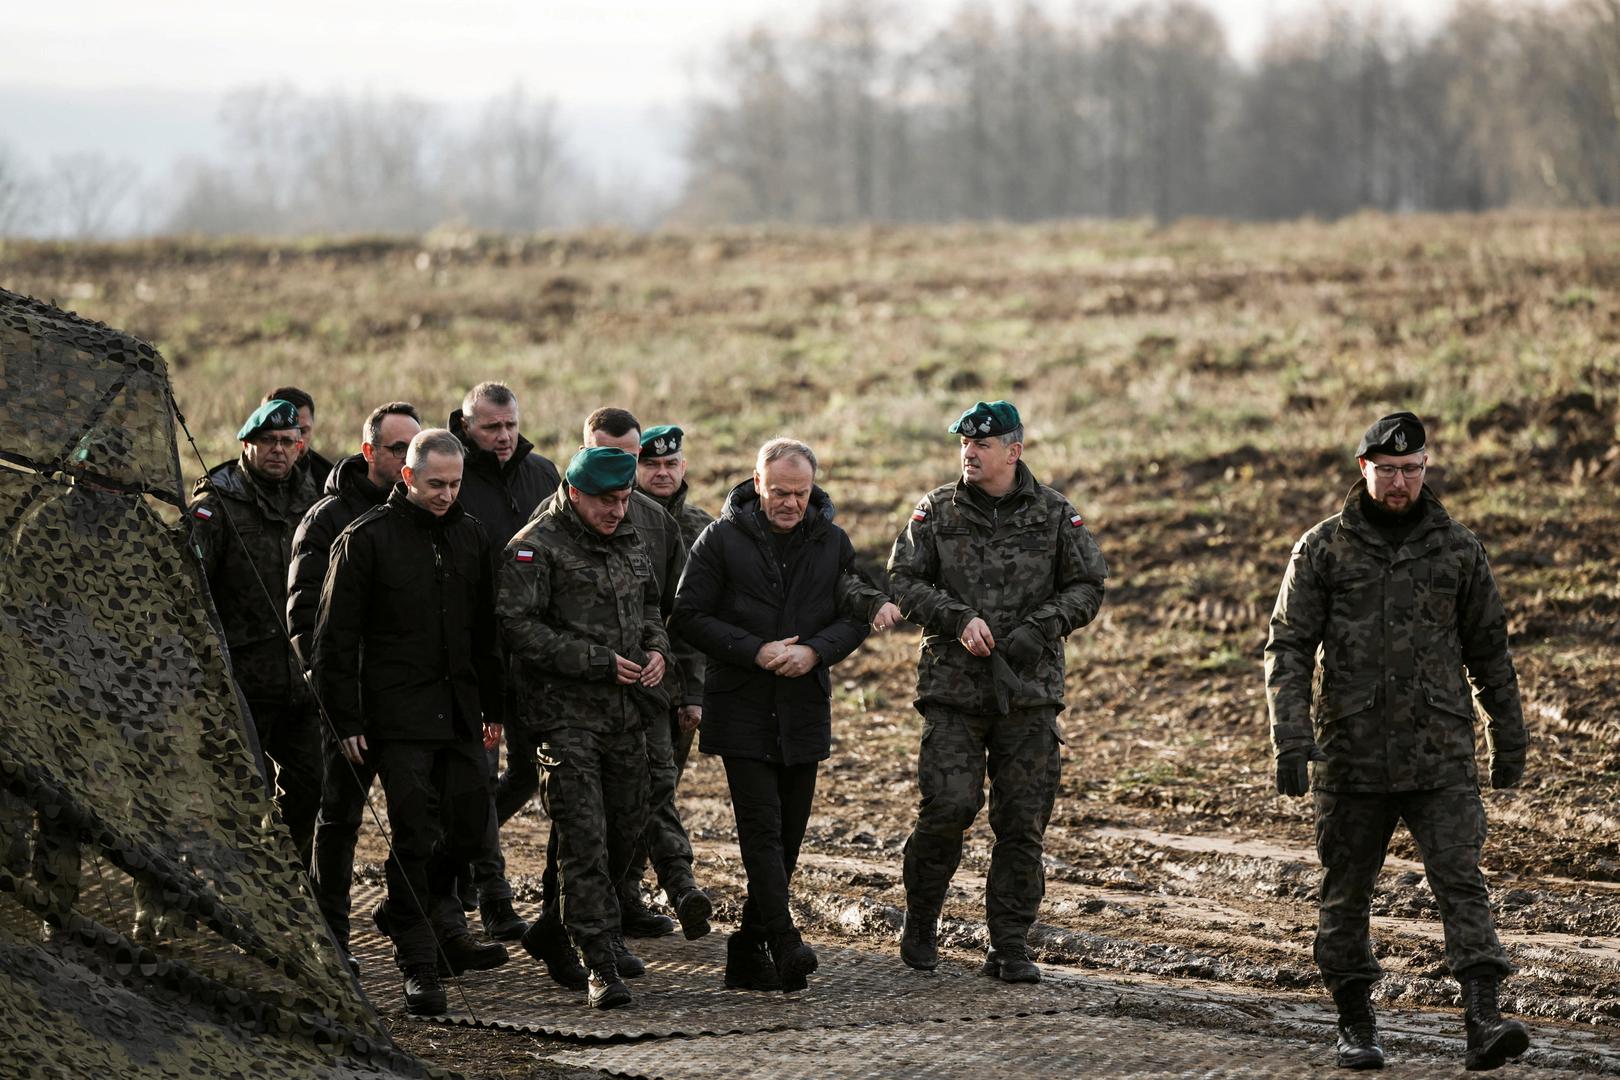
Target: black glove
(1293, 770)
(1022, 646)
(1507, 769)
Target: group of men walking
(445, 587)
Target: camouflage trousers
(1353, 830)
(664, 840)
(594, 786)
(1019, 751)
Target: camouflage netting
(153, 915)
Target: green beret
(273, 415)
(661, 441)
(985, 419)
(598, 469)
(1395, 434)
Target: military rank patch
(525, 555)
(1076, 520)
(919, 514)
(203, 513)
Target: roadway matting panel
(684, 993)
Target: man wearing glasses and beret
(356, 484)
(1396, 602)
(242, 518)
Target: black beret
(1395, 434)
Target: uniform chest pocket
(1032, 540)
(1437, 595)
(641, 563)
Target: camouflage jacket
(1393, 629)
(691, 521)
(265, 515)
(1032, 564)
(568, 599)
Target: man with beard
(997, 569)
(409, 669)
(760, 597)
(506, 481)
(1396, 603)
(579, 611)
(242, 516)
(358, 483)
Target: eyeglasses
(1387, 472)
(274, 442)
(396, 448)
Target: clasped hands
(628, 672)
(787, 658)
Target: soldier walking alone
(1395, 601)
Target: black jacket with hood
(735, 596)
(503, 495)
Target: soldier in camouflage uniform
(1394, 601)
(243, 515)
(578, 607)
(661, 473)
(665, 839)
(997, 569)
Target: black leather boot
(628, 963)
(547, 941)
(919, 940)
(1011, 964)
(794, 960)
(1358, 1046)
(1492, 1041)
(424, 991)
(749, 965)
(606, 991)
(693, 907)
(463, 954)
(501, 922)
(636, 919)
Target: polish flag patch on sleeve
(920, 514)
(524, 555)
(1076, 520)
(202, 513)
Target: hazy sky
(144, 81)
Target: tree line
(1014, 112)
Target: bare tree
(511, 168)
(87, 189)
(19, 193)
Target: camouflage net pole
(153, 916)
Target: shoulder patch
(523, 554)
(1076, 520)
(920, 514)
(202, 513)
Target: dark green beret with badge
(661, 441)
(597, 470)
(273, 415)
(985, 419)
(1395, 434)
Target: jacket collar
(561, 508)
(1352, 520)
(484, 462)
(351, 478)
(399, 501)
(742, 506)
(1023, 490)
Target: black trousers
(291, 738)
(771, 803)
(438, 807)
(344, 787)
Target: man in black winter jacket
(504, 483)
(408, 666)
(357, 483)
(760, 598)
